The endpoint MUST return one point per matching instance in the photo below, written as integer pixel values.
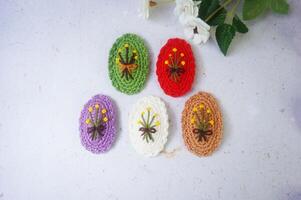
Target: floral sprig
(97, 123)
(175, 64)
(148, 125)
(201, 119)
(199, 17)
(126, 60)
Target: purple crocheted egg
(98, 124)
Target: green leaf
(253, 8)
(218, 18)
(279, 6)
(203, 7)
(213, 6)
(239, 25)
(224, 34)
(207, 7)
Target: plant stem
(96, 117)
(152, 120)
(94, 124)
(231, 14)
(147, 125)
(143, 120)
(218, 9)
(198, 117)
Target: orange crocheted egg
(176, 67)
(202, 124)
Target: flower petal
(201, 37)
(187, 7)
(202, 24)
(197, 39)
(145, 9)
(195, 11)
(188, 20)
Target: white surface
(53, 58)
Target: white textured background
(53, 58)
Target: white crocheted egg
(148, 126)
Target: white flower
(185, 8)
(147, 4)
(145, 9)
(197, 30)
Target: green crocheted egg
(128, 64)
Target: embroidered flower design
(175, 64)
(148, 125)
(126, 60)
(202, 122)
(97, 123)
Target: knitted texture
(202, 124)
(176, 67)
(148, 126)
(98, 124)
(128, 64)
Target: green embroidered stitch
(203, 123)
(148, 125)
(128, 64)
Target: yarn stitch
(176, 67)
(202, 124)
(148, 126)
(128, 64)
(98, 124)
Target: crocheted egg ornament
(176, 67)
(128, 64)
(98, 124)
(202, 124)
(148, 126)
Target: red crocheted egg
(176, 67)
